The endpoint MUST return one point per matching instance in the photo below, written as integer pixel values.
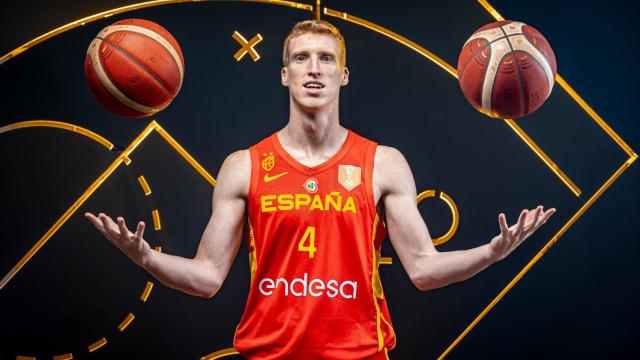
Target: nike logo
(268, 178)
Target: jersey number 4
(309, 238)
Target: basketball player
(317, 198)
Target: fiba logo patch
(269, 161)
(311, 185)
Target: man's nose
(314, 66)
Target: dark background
(579, 301)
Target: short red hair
(315, 27)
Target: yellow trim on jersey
(374, 276)
(253, 262)
(393, 333)
(378, 292)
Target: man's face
(314, 74)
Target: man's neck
(313, 132)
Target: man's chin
(313, 106)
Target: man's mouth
(313, 85)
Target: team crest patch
(269, 161)
(311, 185)
(349, 176)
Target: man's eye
(327, 58)
(300, 58)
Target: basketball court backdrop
(570, 291)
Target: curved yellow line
(455, 216)
(147, 290)
(43, 240)
(156, 219)
(125, 323)
(145, 186)
(68, 356)
(397, 37)
(105, 14)
(220, 354)
(60, 125)
(97, 345)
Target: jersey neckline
(346, 145)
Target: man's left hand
(511, 237)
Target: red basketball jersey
(314, 249)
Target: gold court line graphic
(97, 345)
(539, 255)
(317, 10)
(60, 125)
(65, 126)
(550, 163)
(453, 72)
(70, 211)
(152, 126)
(144, 185)
(147, 290)
(105, 14)
(68, 356)
(247, 47)
(185, 155)
(386, 260)
(595, 116)
(455, 215)
(156, 219)
(125, 323)
(220, 354)
(122, 158)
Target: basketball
(134, 68)
(506, 69)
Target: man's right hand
(133, 245)
(204, 274)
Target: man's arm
(204, 274)
(428, 268)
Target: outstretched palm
(132, 244)
(511, 237)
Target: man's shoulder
(235, 172)
(387, 155)
(390, 168)
(238, 159)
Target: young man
(317, 197)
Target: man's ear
(345, 76)
(284, 78)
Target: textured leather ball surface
(506, 69)
(134, 68)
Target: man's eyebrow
(306, 51)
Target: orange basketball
(134, 68)
(506, 69)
